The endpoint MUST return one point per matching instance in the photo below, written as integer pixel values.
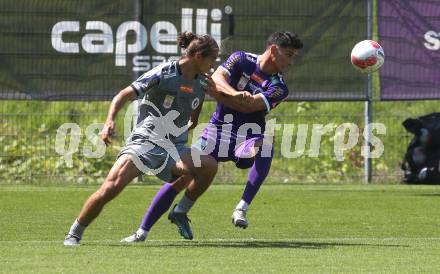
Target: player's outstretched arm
(221, 80)
(241, 101)
(118, 102)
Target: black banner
(89, 50)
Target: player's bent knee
(182, 182)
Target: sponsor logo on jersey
(186, 89)
(169, 72)
(168, 101)
(242, 83)
(252, 57)
(195, 103)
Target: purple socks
(256, 176)
(160, 204)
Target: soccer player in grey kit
(248, 87)
(172, 96)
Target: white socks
(77, 229)
(242, 205)
(184, 205)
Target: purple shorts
(224, 147)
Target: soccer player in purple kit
(260, 75)
(248, 87)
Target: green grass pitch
(293, 228)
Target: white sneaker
(72, 240)
(239, 218)
(133, 239)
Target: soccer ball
(367, 56)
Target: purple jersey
(245, 75)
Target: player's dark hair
(203, 44)
(285, 39)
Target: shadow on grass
(246, 244)
(428, 194)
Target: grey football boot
(182, 221)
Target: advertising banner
(409, 32)
(89, 50)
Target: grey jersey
(168, 100)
